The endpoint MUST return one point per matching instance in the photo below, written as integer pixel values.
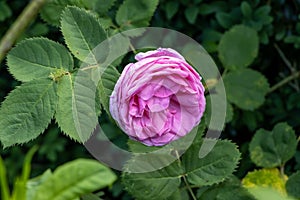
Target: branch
(285, 81)
(19, 26)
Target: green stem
(282, 171)
(19, 26)
(298, 140)
(285, 81)
(188, 186)
(3, 181)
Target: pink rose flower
(158, 99)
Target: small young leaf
(246, 9)
(74, 179)
(246, 88)
(82, 33)
(27, 111)
(273, 148)
(133, 14)
(191, 14)
(38, 58)
(224, 19)
(238, 47)
(102, 6)
(5, 11)
(293, 185)
(171, 9)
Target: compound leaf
(273, 148)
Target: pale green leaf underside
(27, 111)
(106, 85)
(37, 58)
(133, 14)
(82, 33)
(246, 88)
(64, 113)
(273, 148)
(213, 168)
(73, 179)
(238, 47)
(83, 107)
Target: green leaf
(263, 193)
(27, 111)
(213, 7)
(64, 111)
(246, 9)
(179, 194)
(273, 148)
(171, 9)
(159, 184)
(238, 47)
(269, 178)
(51, 12)
(75, 178)
(102, 6)
(214, 167)
(5, 11)
(33, 184)
(293, 185)
(82, 33)
(191, 14)
(67, 105)
(134, 14)
(38, 58)
(230, 189)
(246, 88)
(224, 19)
(106, 85)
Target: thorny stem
(188, 186)
(19, 26)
